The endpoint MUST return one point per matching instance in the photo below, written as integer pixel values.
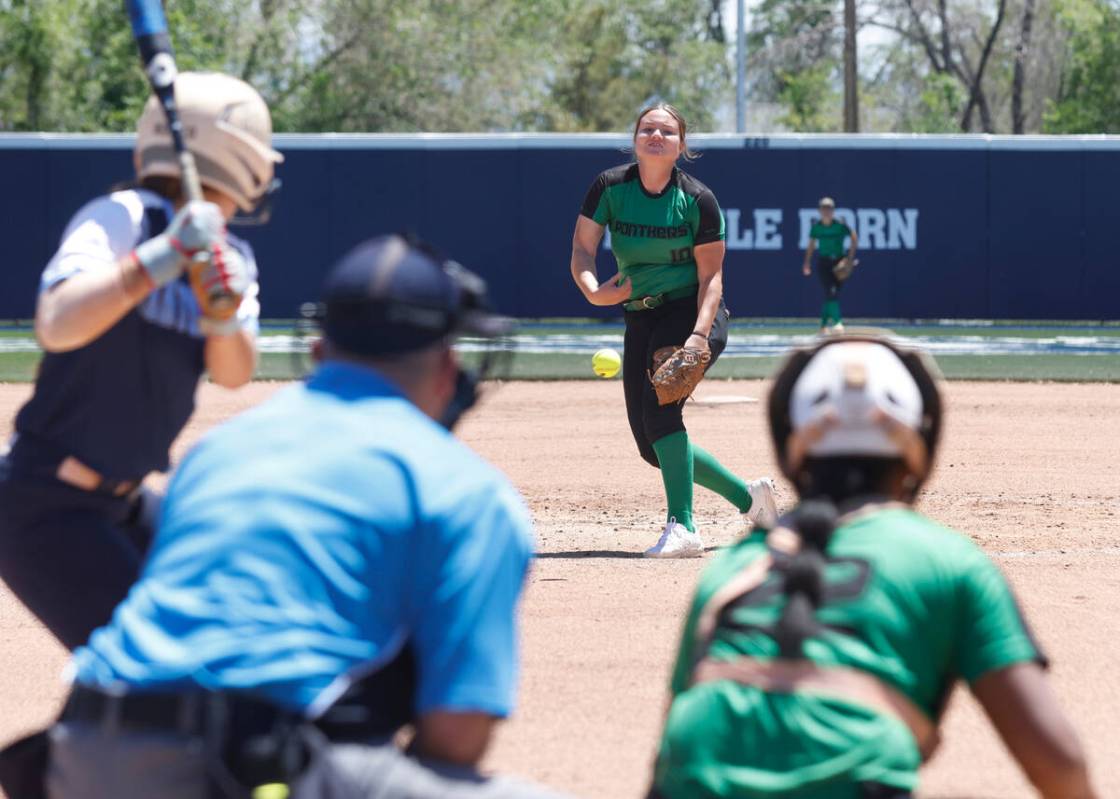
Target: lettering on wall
(763, 228)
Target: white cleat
(764, 510)
(676, 541)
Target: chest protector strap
(800, 675)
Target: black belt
(248, 742)
(657, 300)
(38, 457)
(191, 713)
(195, 713)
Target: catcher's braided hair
(815, 520)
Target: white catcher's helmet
(227, 128)
(863, 394)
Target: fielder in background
(834, 267)
(126, 317)
(667, 235)
(818, 656)
(330, 567)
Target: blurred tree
(619, 55)
(576, 65)
(809, 100)
(957, 42)
(1018, 80)
(795, 50)
(1088, 100)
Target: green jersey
(910, 602)
(652, 235)
(830, 238)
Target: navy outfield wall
(950, 227)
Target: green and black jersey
(830, 238)
(652, 235)
(912, 603)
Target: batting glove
(195, 228)
(219, 277)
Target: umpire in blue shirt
(330, 568)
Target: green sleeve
(815, 231)
(682, 668)
(994, 633)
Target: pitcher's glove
(219, 278)
(843, 268)
(677, 371)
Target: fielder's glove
(195, 228)
(219, 278)
(843, 268)
(677, 371)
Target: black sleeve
(710, 226)
(594, 203)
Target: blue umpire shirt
(303, 543)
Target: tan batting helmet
(227, 127)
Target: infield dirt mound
(1028, 470)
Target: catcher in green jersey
(834, 267)
(667, 235)
(818, 656)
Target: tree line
(943, 66)
(998, 66)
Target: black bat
(149, 26)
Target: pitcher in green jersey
(667, 235)
(826, 241)
(818, 656)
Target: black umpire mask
(392, 295)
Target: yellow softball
(606, 362)
(272, 790)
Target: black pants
(646, 332)
(69, 555)
(829, 281)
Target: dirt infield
(1029, 470)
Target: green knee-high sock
(714, 476)
(830, 313)
(674, 453)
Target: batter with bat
(834, 267)
(667, 234)
(332, 568)
(146, 292)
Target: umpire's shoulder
(469, 493)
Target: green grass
(20, 366)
